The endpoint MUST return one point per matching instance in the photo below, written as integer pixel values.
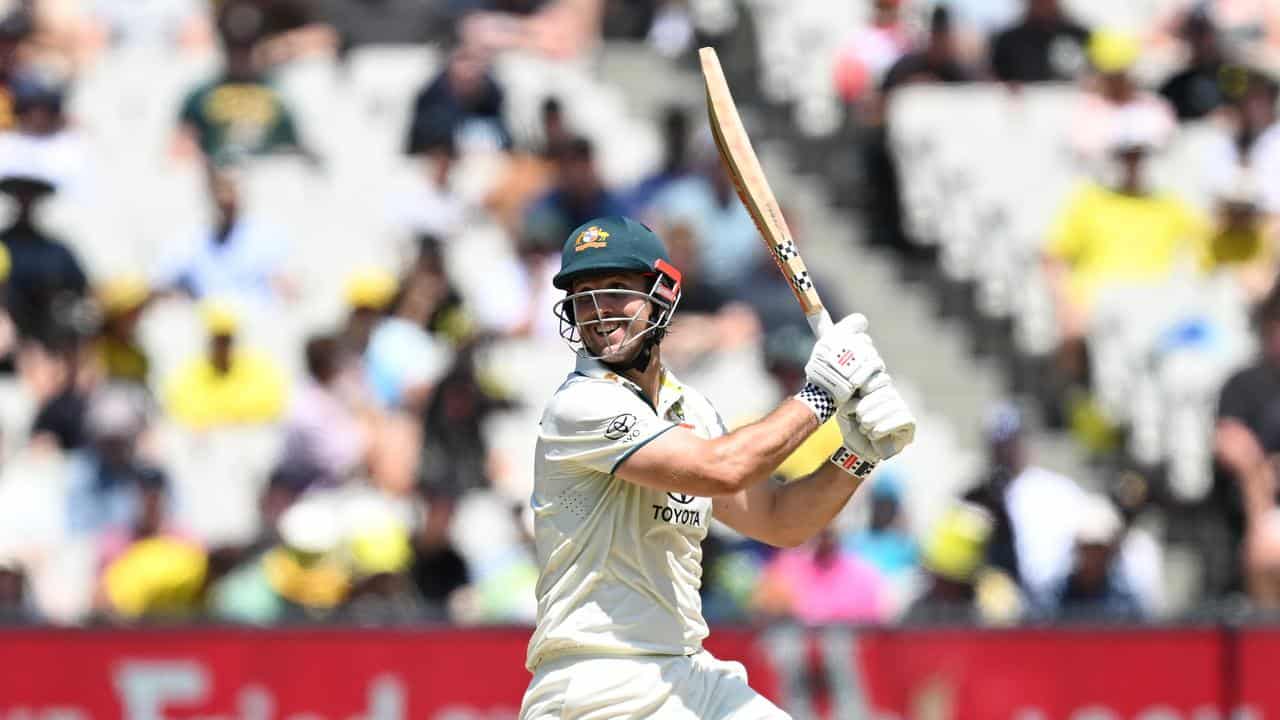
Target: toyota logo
(681, 498)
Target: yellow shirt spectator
(1108, 237)
(251, 391)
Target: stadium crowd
(345, 469)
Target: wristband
(818, 400)
(852, 463)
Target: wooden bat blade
(753, 189)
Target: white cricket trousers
(664, 687)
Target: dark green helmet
(609, 244)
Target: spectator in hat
(368, 292)
(1045, 46)
(154, 520)
(15, 32)
(1115, 104)
(1240, 241)
(960, 588)
(227, 385)
(237, 115)
(159, 577)
(239, 257)
(1113, 233)
(45, 275)
(1096, 587)
(43, 141)
(1197, 90)
(464, 103)
(120, 357)
(1248, 142)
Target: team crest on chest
(592, 237)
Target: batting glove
(883, 417)
(857, 456)
(843, 359)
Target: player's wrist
(819, 400)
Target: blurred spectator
(530, 172)
(152, 518)
(238, 114)
(71, 376)
(455, 455)
(495, 537)
(675, 162)
(105, 479)
(15, 29)
(1239, 243)
(1197, 89)
(116, 348)
(1116, 104)
(1249, 142)
(228, 385)
(1112, 234)
(938, 61)
(404, 361)
(278, 30)
(430, 205)
(725, 236)
(238, 257)
(378, 544)
(16, 605)
(578, 196)
(45, 274)
(464, 102)
(44, 143)
(959, 588)
(1246, 438)
(368, 293)
(299, 577)
(871, 50)
(820, 583)
(885, 543)
(1096, 588)
(1046, 46)
(323, 431)
(437, 569)
(159, 577)
(1035, 504)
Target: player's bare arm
(680, 461)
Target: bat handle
(820, 321)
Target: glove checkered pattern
(818, 400)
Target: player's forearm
(751, 454)
(799, 510)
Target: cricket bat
(754, 191)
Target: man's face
(626, 314)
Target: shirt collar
(670, 390)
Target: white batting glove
(857, 456)
(883, 417)
(844, 359)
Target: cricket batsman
(632, 464)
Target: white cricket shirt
(620, 563)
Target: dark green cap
(609, 244)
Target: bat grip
(820, 321)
